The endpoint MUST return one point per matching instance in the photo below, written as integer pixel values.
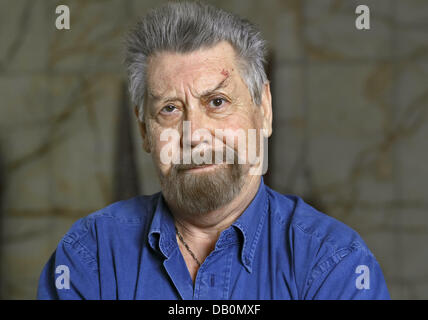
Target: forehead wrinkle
(159, 97)
(165, 88)
(166, 66)
(222, 84)
(162, 95)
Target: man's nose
(196, 128)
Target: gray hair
(188, 26)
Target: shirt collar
(249, 224)
(162, 229)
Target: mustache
(180, 167)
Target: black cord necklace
(186, 246)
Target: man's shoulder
(304, 223)
(135, 211)
(319, 247)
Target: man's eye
(217, 102)
(168, 109)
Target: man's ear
(266, 108)
(143, 131)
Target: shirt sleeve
(71, 273)
(349, 274)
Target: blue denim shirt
(279, 248)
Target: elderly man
(216, 231)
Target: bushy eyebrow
(224, 83)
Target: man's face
(202, 92)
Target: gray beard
(199, 193)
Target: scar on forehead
(225, 73)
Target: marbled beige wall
(350, 118)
